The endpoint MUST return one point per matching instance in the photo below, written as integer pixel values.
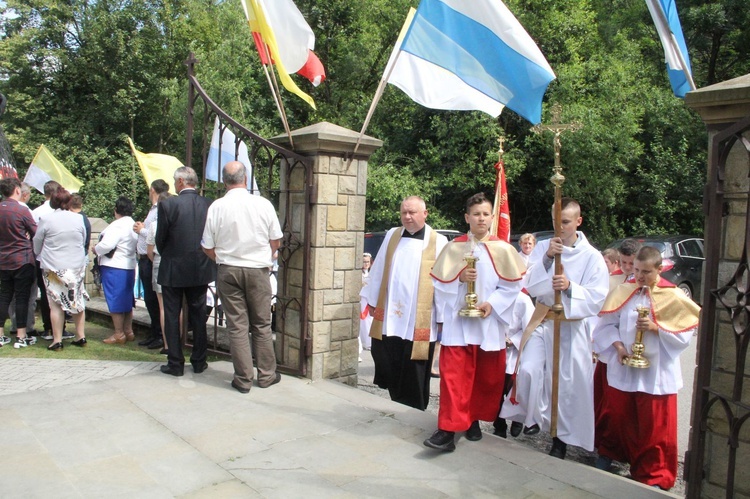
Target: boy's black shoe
(515, 428)
(559, 448)
(501, 428)
(441, 440)
(531, 430)
(603, 463)
(474, 432)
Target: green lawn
(94, 350)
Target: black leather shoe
(531, 430)
(79, 343)
(55, 346)
(239, 388)
(154, 344)
(441, 440)
(474, 432)
(603, 463)
(559, 448)
(174, 371)
(276, 380)
(501, 428)
(147, 341)
(164, 351)
(199, 368)
(515, 428)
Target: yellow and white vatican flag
(45, 167)
(156, 166)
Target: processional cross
(557, 179)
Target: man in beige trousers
(241, 234)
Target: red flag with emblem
(501, 220)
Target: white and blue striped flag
(664, 14)
(231, 150)
(470, 55)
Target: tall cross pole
(557, 180)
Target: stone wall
(338, 224)
(720, 106)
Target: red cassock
(642, 432)
(471, 383)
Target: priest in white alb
(400, 298)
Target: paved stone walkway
(22, 375)
(120, 429)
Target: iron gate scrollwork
(273, 168)
(719, 413)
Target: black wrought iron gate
(719, 413)
(273, 168)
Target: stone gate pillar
(338, 198)
(716, 461)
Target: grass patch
(95, 349)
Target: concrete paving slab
(129, 431)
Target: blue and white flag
(230, 151)
(664, 14)
(470, 55)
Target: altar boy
(472, 357)
(641, 403)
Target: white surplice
(489, 333)
(403, 283)
(522, 310)
(664, 376)
(589, 284)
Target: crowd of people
(42, 251)
(186, 248)
(499, 315)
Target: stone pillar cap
(325, 137)
(724, 102)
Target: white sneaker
(23, 343)
(4, 340)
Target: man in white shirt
(241, 234)
(583, 284)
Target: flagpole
(683, 62)
(374, 103)
(277, 101)
(276, 92)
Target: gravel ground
(541, 441)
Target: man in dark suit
(185, 270)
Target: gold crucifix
(557, 179)
(557, 128)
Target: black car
(373, 240)
(682, 260)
